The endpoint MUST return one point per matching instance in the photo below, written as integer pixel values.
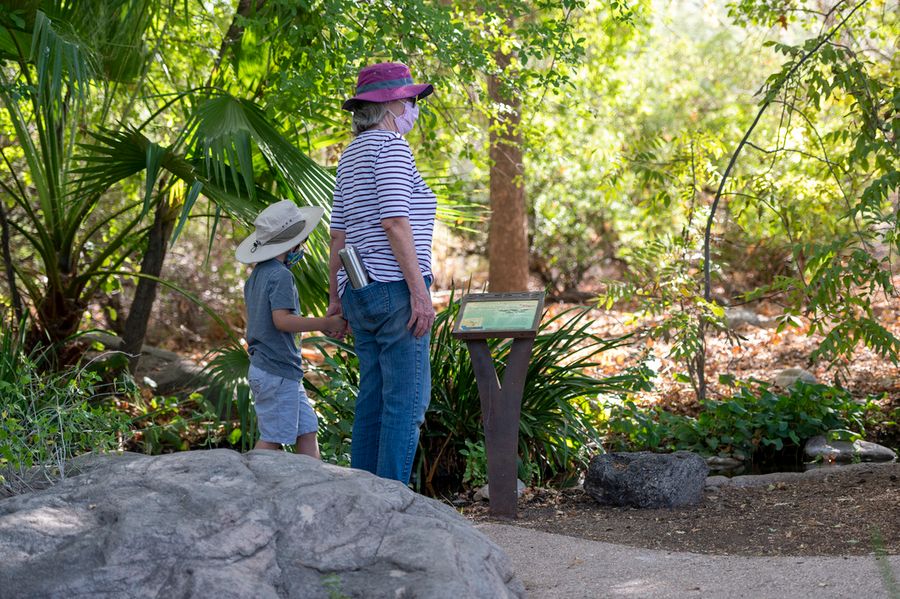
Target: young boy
(273, 318)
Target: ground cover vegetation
(677, 160)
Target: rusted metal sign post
(515, 316)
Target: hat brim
(246, 254)
(418, 91)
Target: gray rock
(738, 317)
(165, 371)
(647, 480)
(484, 493)
(723, 463)
(714, 482)
(844, 451)
(221, 524)
(789, 376)
(747, 481)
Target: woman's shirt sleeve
(394, 172)
(337, 208)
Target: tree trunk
(508, 233)
(145, 294)
(235, 33)
(8, 264)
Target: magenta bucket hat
(384, 82)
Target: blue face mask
(293, 258)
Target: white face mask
(407, 120)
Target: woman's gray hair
(367, 115)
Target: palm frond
(61, 64)
(227, 376)
(12, 41)
(117, 155)
(223, 131)
(225, 126)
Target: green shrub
(753, 422)
(47, 418)
(334, 386)
(475, 474)
(229, 393)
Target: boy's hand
(335, 325)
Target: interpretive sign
(515, 316)
(499, 315)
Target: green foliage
(162, 424)
(80, 191)
(475, 474)
(333, 387)
(751, 423)
(557, 425)
(47, 418)
(841, 274)
(807, 215)
(230, 395)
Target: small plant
(47, 418)
(169, 423)
(333, 387)
(332, 584)
(476, 464)
(753, 422)
(230, 395)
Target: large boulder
(647, 480)
(222, 524)
(844, 451)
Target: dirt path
(848, 512)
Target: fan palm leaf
(224, 132)
(65, 183)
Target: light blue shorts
(282, 407)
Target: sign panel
(486, 315)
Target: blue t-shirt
(271, 287)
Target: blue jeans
(394, 379)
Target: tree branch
(771, 97)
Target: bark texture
(508, 233)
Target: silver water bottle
(353, 264)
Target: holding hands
(335, 325)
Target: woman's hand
(422, 313)
(400, 235)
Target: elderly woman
(384, 209)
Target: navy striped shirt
(377, 178)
